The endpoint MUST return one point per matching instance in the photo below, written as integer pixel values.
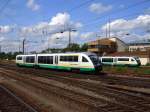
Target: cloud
(56, 27)
(58, 23)
(87, 35)
(32, 5)
(1, 39)
(99, 8)
(61, 39)
(6, 29)
(132, 29)
(142, 22)
(60, 19)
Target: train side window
(107, 59)
(40, 59)
(49, 60)
(30, 59)
(44, 59)
(123, 59)
(65, 58)
(132, 59)
(19, 58)
(70, 58)
(61, 58)
(84, 59)
(75, 58)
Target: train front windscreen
(95, 60)
(137, 60)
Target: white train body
(67, 61)
(120, 61)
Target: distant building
(143, 55)
(121, 45)
(140, 46)
(107, 45)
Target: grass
(147, 72)
(127, 70)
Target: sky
(45, 23)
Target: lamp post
(98, 44)
(70, 30)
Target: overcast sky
(39, 20)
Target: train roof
(87, 53)
(118, 56)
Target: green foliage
(148, 64)
(84, 47)
(120, 69)
(9, 56)
(74, 47)
(147, 72)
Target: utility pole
(106, 30)
(23, 46)
(70, 30)
(69, 37)
(109, 27)
(0, 49)
(99, 48)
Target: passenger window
(107, 59)
(45, 59)
(69, 58)
(84, 59)
(75, 58)
(19, 58)
(30, 59)
(123, 59)
(132, 59)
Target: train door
(56, 60)
(115, 61)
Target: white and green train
(120, 61)
(65, 61)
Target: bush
(146, 72)
(148, 64)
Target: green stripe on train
(110, 64)
(55, 67)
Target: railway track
(127, 81)
(112, 99)
(9, 102)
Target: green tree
(84, 47)
(73, 47)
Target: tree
(73, 47)
(84, 47)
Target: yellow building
(102, 46)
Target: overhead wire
(94, 21)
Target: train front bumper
(98, 68)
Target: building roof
(140, 42)
(103, 41)
(135, 44)
(106, 41)
(143, 54)
(119, 40)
